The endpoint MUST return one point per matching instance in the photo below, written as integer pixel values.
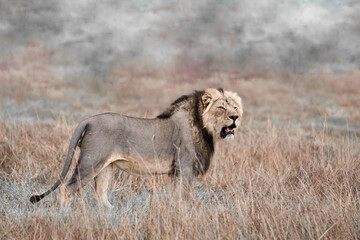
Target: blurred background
(293, 61)
(295, 64)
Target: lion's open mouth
(225, 131)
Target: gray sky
(93, 37)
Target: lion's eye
(235, 108)
(221, 107)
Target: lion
(180, 142)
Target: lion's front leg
(181, 188)
(184, 172)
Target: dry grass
(27, 71)
(270, 183)
(284, 177)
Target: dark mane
(205, 144)
(181, 99)
(178, 102)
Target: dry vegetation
(284, 177)
(271, 183)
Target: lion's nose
(234, 117)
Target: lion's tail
(73, 143)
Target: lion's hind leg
(102, 181)
(69, 189)
(86, 170)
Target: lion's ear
(210, 96)
(206, 99)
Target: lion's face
(222, 113)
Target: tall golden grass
(281, 178)
(270, 183)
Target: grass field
(292, 172)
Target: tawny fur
(179, 142)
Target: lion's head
(222, 112)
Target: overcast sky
(92, 37)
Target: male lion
(179, 142)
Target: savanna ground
(293, 171)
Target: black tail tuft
(36, 198)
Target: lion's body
(139, 146)
(177, 142)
